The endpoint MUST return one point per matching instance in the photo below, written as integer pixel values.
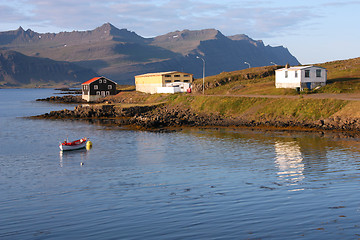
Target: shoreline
(164, 118)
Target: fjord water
(190, 184)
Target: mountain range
(120, 54)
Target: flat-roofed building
(157, 82)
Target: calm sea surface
(192, 184)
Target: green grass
(343, 77)
(301, 109)
(261, 108)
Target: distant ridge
(18, 70)
(120, 54)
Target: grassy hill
(237, 97)
(343, 77)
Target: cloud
(341, 3)
(155, 17)
(11, 14)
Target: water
(192, 184)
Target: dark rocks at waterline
(175, 117)
(162, 116)
(157, 116)
(97, 111)
(63, 99)
(69, 91)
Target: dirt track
(341, 96)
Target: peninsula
(245, 98)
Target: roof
(298, 68)
(159, 74)
(91, 80)
(94, 79)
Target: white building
(164, 82)
(174, 87)
(300, 77)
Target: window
(107, 93)
(97, 92)
(167, 81)
(186, 80)
(186, 75)
(286, 74)
(167, 76)
(307, 73)
(100, 81)
(104, 81)
(96, 87)
(177, 75)
(177, 81)
(296, 74)
(318, 72)
(109, 86)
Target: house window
(177, 75)
(296, 74)
(104, 81)
(109, 86)
(286, 74)
(177, 81)
(167, 76)
(96, 87)
(100, 81)
(167, 81)
(107, 93)
(186, 75)
(97, 92)
(318, 72)
(307, 73)
(186, 80)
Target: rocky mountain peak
(190, 35)
(244, 37)
(123, 35)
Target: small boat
(77, 144)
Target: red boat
(77, 144)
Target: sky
(314, 31)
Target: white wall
(301, 81)
(168, 89)
(148, 88)
(290, 82)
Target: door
(308, 85)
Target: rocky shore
(63, 99)
(165, 116)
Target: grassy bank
(343, 77)
(262, 108)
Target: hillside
(18, 70)
(342, 77)
(121, 54)
(244, 98)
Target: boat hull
(79, 144)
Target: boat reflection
(69, 157)
(289, 161)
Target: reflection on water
(191, 184)
(289, 161)
(71, 156)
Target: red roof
(91, 80)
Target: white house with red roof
(97, 87)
